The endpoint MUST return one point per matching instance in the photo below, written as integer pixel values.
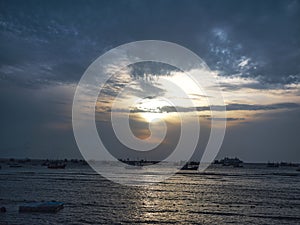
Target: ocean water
(254, 194)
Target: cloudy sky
(251, 47)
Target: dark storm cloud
(55, 41)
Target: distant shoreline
(36, 160)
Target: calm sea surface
(254, 194)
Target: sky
(252, 49)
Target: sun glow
(153, 117)
(151, 109)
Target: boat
(237, 165)
(189, 166)
(235, 162)
(134, 165)
(56, 165)
(288, 164)
(275, 165)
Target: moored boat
(57, 165)
(190, 166)
(235, 162)
(134, 165)
(271, 164)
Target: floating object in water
(271, 164)
(57, 165)
(41, 207)
(190, 166)
(235, 162)
(3, 209)
(135, 167)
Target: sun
(153, 117)
(151, 109)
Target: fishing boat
(272, 164)
(134, 165)
(235, 162)
(56, 165)
(189, 166)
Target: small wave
(246, 215)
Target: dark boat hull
(57, 166)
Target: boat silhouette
(56, 165)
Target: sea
(253, 194)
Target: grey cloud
(230, 107)
(287, 105)
(227, 119)
(68, 36)
(234, 107)
(47, 43)
(143, 69)
(249, 107)
(259, 85)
